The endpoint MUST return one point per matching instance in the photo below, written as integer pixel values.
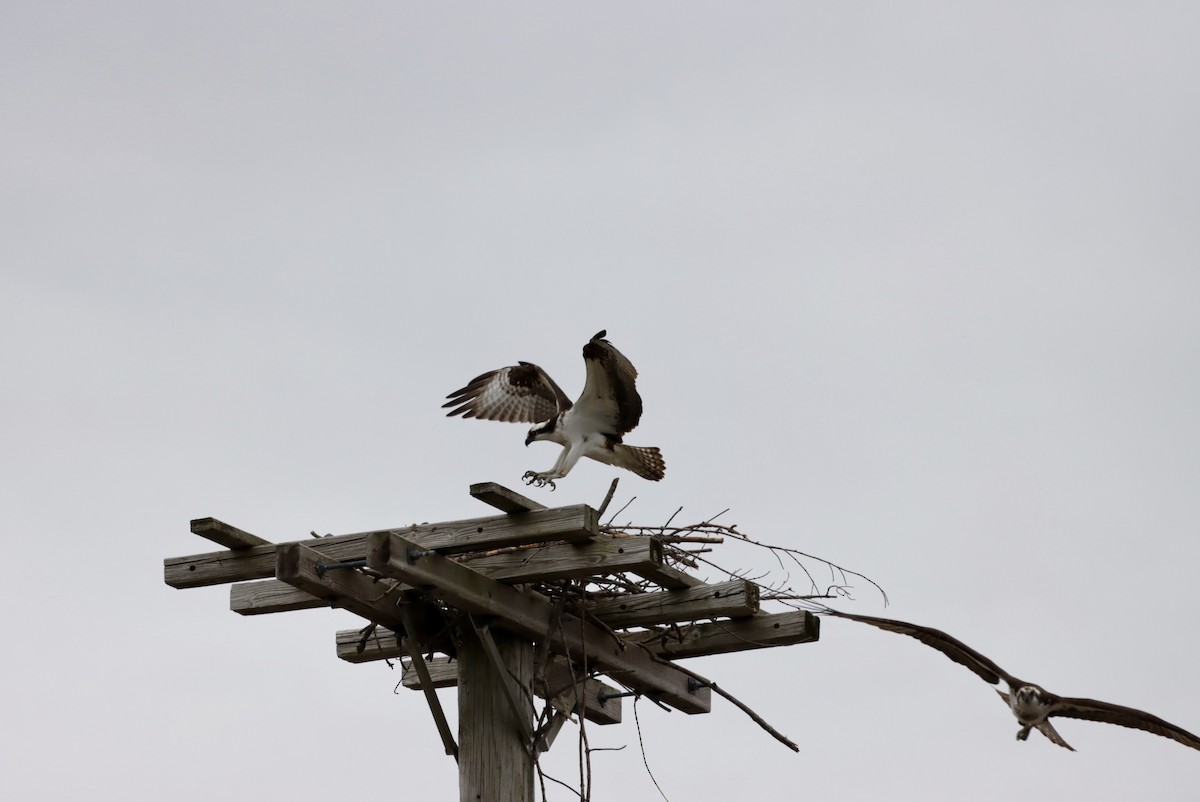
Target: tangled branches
(685, 544)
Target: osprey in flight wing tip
(593, 426)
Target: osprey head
(542, 431)
(1029, 704)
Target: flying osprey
(608, 408)
(1031, 704)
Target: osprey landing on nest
(607, 409)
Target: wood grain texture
(530, 616)
(577, 522)
(494, 759)
(225, 535)
(504, 499)
(724, 600)
(720, 637)
(572, 560)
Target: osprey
(608, 408)
(1031, 704)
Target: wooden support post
(494, 758)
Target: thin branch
(608, 497)
(755, 717)
(642, 744)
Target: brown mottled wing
(610, 400)
(522, 393)
(953, 648)
(1093, 710)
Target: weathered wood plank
(271, 596)
(531, 616)
(577, 522)
(504, 499)
(720, 637)
(669, 577)
(225, 535)
(256, 562)
(725, 600)
(300, 566)
(305, 568)
(597, 557)
(382, 644)
(572, 560)
(559, 687)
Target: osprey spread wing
(1032, 704)
(607, 409)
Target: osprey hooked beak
(529, 437)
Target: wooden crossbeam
(725, 600)
(720, 637)
(271, 596)
(225, 535)
(560, 687)
(578, 522)
(310, 571)
(640, 556)
(302, 567)
(699, 640)
(531, 616)
(504, 499)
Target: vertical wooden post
(494, 762)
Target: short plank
(225, 535)
(271, 596)
(504, 499)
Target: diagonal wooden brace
(427, 686)
(532, 616)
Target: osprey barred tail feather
(608, 408)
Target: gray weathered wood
(595, 557)
(532, 617)
(668, 576)
(561, 684)
(271, 596)
(724, 600)
(418, 665)
(577, 522)
(298, 565)
(301, 566)
(504, 499)
(494, 759)
(720, 637)
(225, 535)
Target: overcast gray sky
(911, 286)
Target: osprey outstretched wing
(1031, 704)
(608, 408)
